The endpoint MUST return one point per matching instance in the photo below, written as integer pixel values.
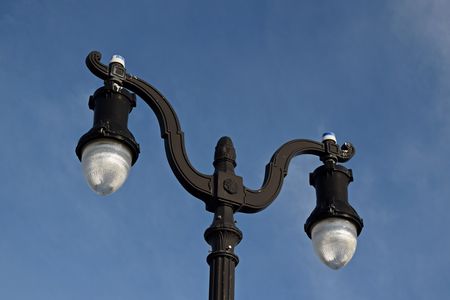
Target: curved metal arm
(277, 169)
(201, 185)
(196, 183)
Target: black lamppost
(108, 151)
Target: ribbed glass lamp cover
(334, 241)
(106, 164)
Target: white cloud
(427, 22)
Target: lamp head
(109, 149)
(333, 225)
(111, 109)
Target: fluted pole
(223, 235)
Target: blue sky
(376, 73)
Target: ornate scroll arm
(277, 169)
(196, 183)
(95, 66)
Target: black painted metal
(228, 188)
(111, 109)
(201, 185)
(196, 183)
(331, 182)
(277, 169)
(223, 235)
(224, 193)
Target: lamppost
(108, 151)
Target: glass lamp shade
(334, 241)
(106, 164)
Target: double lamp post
(109, 149)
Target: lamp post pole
(109, 149)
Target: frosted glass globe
(334, 241)
(106, 164)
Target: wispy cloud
(428, 24)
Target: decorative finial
(225, 151)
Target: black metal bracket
(223, 186)
(196, 183)
(277, 169)
(111, 109)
